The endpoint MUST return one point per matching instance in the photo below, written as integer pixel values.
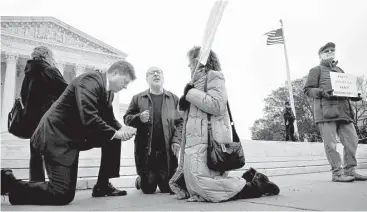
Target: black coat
(82, 118)
(41, 87)
(288, 116)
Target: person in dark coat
(41, 87)
(154, 113)
(82, 118)
(288, 121)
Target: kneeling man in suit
(81, 119)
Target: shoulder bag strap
(234, 132)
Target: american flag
(275, 37)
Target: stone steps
(129, 181)
(273, 158)
(94, 162)
(130, 170)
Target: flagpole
(289, 83)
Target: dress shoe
(249, 174)
(265, 186)
(107, 190)
(8, 181)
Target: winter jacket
(202, 183)
(334, 109)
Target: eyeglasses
(158, 72)
(328, 50)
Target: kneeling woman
(198, 182)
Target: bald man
(157, 142)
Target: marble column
(9, 88)
(79, 69)
(61, 66)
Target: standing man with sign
(334, 116)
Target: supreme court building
(75, 53)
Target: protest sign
(214, 19)
(344, 84)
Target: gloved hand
(356, 99)
(187, 88)
(327, 94)
(183, 103)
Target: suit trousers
(59, 190)
(61, 187)
(110, 160)
(36, 166)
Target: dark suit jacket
(82, 118)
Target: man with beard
(154, 113)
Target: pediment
(52, 30)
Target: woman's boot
(248, 191)
(267, 187)
(249, 174)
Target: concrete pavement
(311, 192)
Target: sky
(160, 32)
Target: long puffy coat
(202, 183)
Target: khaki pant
(348, 137)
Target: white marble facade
(75, 53)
